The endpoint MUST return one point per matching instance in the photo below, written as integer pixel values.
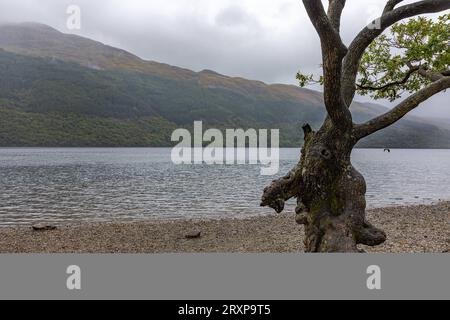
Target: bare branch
(391, 4)
(402, 109)
(370, 33)
(328, 35)
(333, 52)
(335, 9)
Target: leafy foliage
(305, 80)
(390, 65)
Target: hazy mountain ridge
(69, 86)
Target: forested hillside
(101, 96)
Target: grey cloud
(256, 39)
(235, 16)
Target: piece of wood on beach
(43, 227)
(194, 234)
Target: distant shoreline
(410, 229)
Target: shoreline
(410, 229)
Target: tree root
(369, 235)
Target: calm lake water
(62, 185)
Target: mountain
(64, 90)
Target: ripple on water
(64, 185)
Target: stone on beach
(194, 234)
(43, 227)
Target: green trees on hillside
(48, 102)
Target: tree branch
(390, 5)
(402, 109)
(333, 52)
(282, 190)
(335, 9)
(395, 83)
(433, 76)
(328, 35)
(371, 32)
(289, 186)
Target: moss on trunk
(330, 194)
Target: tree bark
(330, 194)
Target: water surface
(62, 185)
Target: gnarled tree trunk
(330, 194)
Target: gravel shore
(410, 229)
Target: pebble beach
(410, 229)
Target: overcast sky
(267, 40)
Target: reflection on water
(59, 185)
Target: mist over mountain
(64, 90)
